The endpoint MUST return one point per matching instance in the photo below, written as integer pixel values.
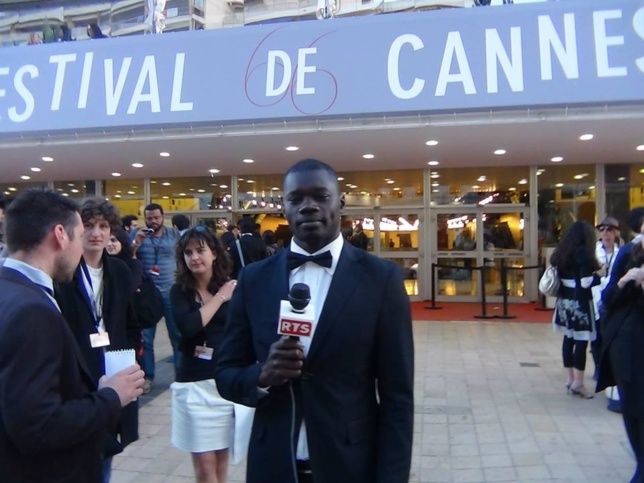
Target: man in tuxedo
(339, 406)
(53, 417)
(252, 246)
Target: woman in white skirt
(202, 421)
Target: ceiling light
(182, 194)
(433, 163)
(579, 176)
(368, 156)
(248, 161)
(12, 188)
(500, 152)
(591, 187)
(642, 170)
(557, 159)
(116, 175)
(559, 185)
(586, 137)
(131, 193)
(115, 196)
(396, 189)
(434, 175)
(165, 197)
(481, 179)
(25, 177)
(213, 171)
(191, 189)
(249, 181)
(65, 194)
(475, 187)
(523, 181)
(435, 184)
(621, 178)
(166, 183)
(292, 148)
(349, 185)
(76, 191)
(164, 154)
(640, 147)
(47, 159)
(137, 165)
(223, 186)
(512, 189)
(432, 143)
(201, 191)
(436, 191)
(340, 178)
(71, 184)
(36, 170)
(539, 173)
(391, 181)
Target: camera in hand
(149, 231)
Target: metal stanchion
(504, 287)
(433, 306)
(483, 315)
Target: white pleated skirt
(201, 419)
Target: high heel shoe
(568, 384)
(581, 392)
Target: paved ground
(490, 407)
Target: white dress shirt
(34, 274)
(318, 279)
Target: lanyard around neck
(93, 299)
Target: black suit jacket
(356, 392)
(121, 325)
(253, 248)
(52, 419)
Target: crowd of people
(601, 301)
(79, 284)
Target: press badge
(203, 352)
(102, 339)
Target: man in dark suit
(53, 417)
(253, 247)
(98, 302)
(337, 407)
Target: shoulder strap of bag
(241, 254)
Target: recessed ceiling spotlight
(223, 186)
(436, 191)
(65, 194)
(642, 170)
(433, 163)
(396, 189)
(47, 159)
(475, 187)
(137, 165)
(131, 192)
(559, 185)
(116, 175)
(368, 156)
(12, 188)
(292, 148)
(248, 161)
(115, 196)
(275, 188)
(201, 191)
(512, 188)
(191, 189)
(250, 181)
(391, 181)
(621, 178)
(25, 177)
(640, 147)
(432, 142)
(435, 184)
(36, 170)
(164, 154)
(580, 176)
(523, 181)
(71, 184)
(182, 194)
(500, 152)
(213, 171)
(591, 187)
(586, 137)
(480, 179)
(166, 183)
(557, 159)
(154, 181)
(340, 178)
(76, 191)
(165, 197)
(434, 175)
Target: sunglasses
(606, 228)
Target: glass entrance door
(471, 242)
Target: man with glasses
(154, 246)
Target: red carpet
(461, 311)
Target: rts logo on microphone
(296, 328)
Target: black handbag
(148, 303)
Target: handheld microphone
(297, 315)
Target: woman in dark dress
(574, 314)
(202, 421)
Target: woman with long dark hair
(202, 421)
(574, 314)
(119, 246)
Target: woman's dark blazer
(121, 325)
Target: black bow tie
(294, 260)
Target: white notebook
(116, 361)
